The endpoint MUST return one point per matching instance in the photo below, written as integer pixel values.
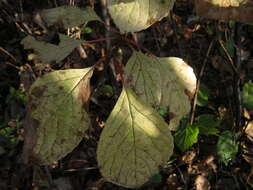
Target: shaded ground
(186, 36)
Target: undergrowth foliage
(136, 141)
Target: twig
(107, 22)
(228, 56)
(138, 46)
(99, 40)
(237, 77)
(174, 26)
(182, 177)
(11, 56)
(128, 40)
(49, 177)
(198, 82)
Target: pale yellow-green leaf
(68, 16)
(51, 53)
(56, 116)
(134, 143)
(163, 83)
(137, 15)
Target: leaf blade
(56, 119)
(51, 53)
(247, 95)
(129, 150)
(167, 83)
(137, 15)
(68, 16)
(227, 147)
(186, 137)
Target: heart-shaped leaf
(163, 83)
(51, 53)
(137, 15)
(56, 119)
(187, 136)
(68, 16)
(134, 143)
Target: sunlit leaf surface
(136, 15)
(134, 143)
(163, 83)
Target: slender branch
(11, 56)
(237, 77)
(198, 83)
(228, 56)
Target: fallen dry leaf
(189, 156)
(249, 131)
(201, 183)
(226, 10)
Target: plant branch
(198, 82)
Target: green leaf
(15, 95)
(56, 116)
(134, 143)
(167, 83)
(227, 147)
(157, 178)
(229, 45)
(186, 137)
(68, 16)
(87, 30)
(107, 90)
(203, 95)
(51, 53)
(163, 111)
(247, 95)
(137, 15)
(208, 124)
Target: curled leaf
(68, 16)
(137, 15)
(226, 10)
(134, 143)
(56, 119)
(51, 53)
(163, 83)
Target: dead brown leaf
(189, 156)
(249, 131)
(201, 183)
(226, 10)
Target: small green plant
(136, 140)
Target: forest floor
(204, 44)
